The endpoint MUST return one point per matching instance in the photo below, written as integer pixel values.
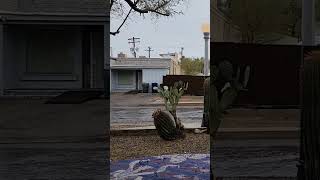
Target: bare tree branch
(118, 30)
(144, 11)
(156, 8)
(111, 3)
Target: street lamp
(206, 32)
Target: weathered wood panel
(274, 78)
(311, 116)
(195, 83)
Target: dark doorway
(86, 54)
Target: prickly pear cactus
(206, 87)
(215, 104)
(214, 110)
(171, 97)
(167, 123)
(226, 70)
(228, 97)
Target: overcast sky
(166, 34)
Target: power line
(149, 50)
(134, 41)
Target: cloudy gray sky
(166, 34)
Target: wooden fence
(274, 76)
(195, 83)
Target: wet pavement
(135, 111)
(142, 116)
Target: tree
(192, 66)
(259, 19)
(155, 8)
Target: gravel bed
(131, 147)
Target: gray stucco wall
(8, 5)
(98, 59)
(56, 6)
(72, 6)
(16, 62)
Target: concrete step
(223, 133)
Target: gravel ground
(233, 158)
(130, 147)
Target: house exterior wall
(49, 6)
(175, 62)
(9, 5)
(17, 62)
(97, 60)
(144, 76)
(154, 75)
(222, 29)
(117, 87)
(87, 14)
(317, 33)
(175, 67)
(147, 70)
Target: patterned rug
(180, 166)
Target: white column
(308, 22)
(1, 59)
(206, 54)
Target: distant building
(129, 73)
(52, 45)
(175, 67)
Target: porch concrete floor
(53, 141)
(32, 120)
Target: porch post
(1, 59)
(308, 22)
(306, 170)
(107, 59)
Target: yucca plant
(169, 126)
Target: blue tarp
(180, 166)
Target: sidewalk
(147, 99)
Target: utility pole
(182, 48)
(149, 50)
(134, 41)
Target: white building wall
(116, 87)
(153, 75)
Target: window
(51, 52)
(125, 77)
